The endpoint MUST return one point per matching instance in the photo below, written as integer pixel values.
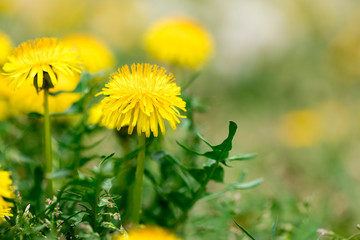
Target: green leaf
(198, 174)
(218, 175)
(60, 174)
(179, 199)
(273, 230)
(247, 185)
(35, 114)
(109, 225)
(106, 158)
(219, 152)
(231, 187)
(107, 184)
(241, 157)
(164, 156)
(243, 229)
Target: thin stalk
(48, 150)
(139, 179)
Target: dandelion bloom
(34, 61)
(6, 192)
(26, 100)
(302, 128)
(179, 41)
(5, 47)
(147, 233)
(143, 97)
(93, 53)
(95, 114)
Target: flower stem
(48, 151)
(138, 187)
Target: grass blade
(243, 229)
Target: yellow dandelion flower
(95, 114)
(6, 191)
(148, 233)
(179, 41)
(5, 47)
(66, 83)
(5, 90)
(5, 209)
(93, 53)
(40, 62)
(143, 97)
(26, 100)
(4, 111)
(301, 128)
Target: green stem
(138, 187)
(48, 151)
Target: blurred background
(287, 72)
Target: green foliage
(179, 187)
(93, 187)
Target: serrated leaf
(219, 152)
(218, 174)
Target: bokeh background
(287, 72)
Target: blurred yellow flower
(179, 41)
(26, 100)
(66, 82)
(36, 60)
(93, 53)
(5, 209)
(147, 233)
(5, 47)
(95, 114)
(61, 102)
(301, 128)
(144, 96)
(5, 90)
(4, 111)
(345, 48)
(6, 191)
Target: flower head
(95, 114)
(93, 53)
(5, 47)
(26, 100)
(148, 233)
(40, 62)
(179, 41)
(301, 128)
(6, 191)
(143, 97)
